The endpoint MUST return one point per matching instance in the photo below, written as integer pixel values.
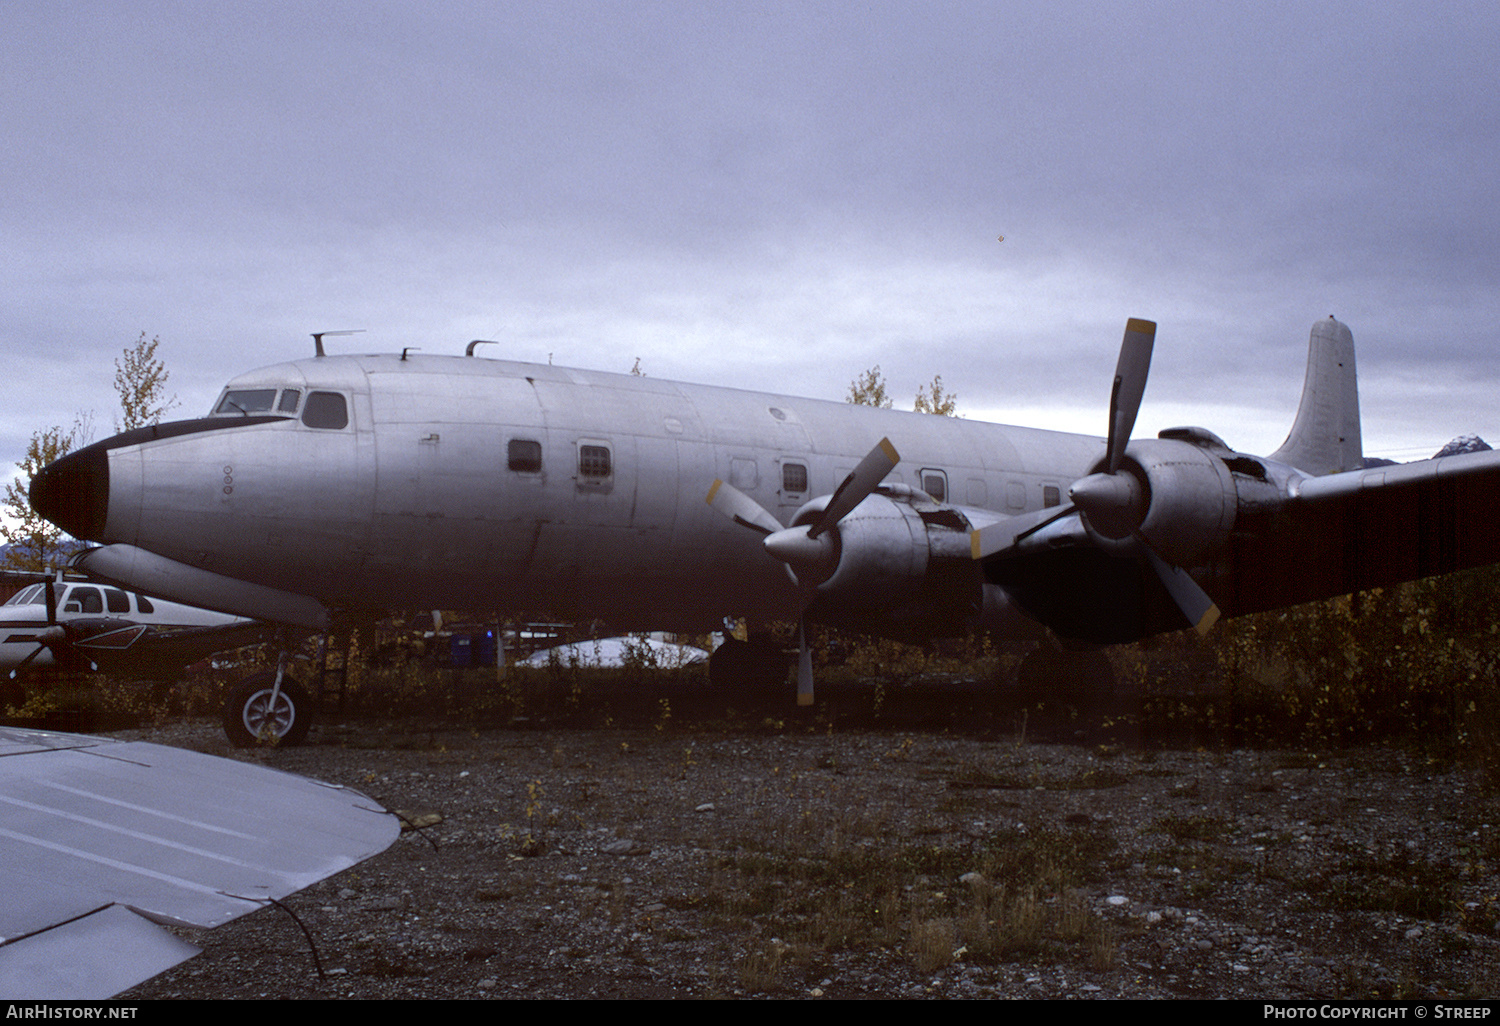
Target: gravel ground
(781, 859)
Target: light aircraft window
(524, 455)
(935, 484)
(289, 400)
(325, 410)
(84, 600)
(1051, 496)
(1015, 495)
(27, 595)
(118, 601)
(793, 477)
(593, 461)
(143, 604)
(245, 401)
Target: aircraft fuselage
(470, 483)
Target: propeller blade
(1012, 531)
(50, 590)
(1130, 385)
(804, 665)
(858, 485)
(740, 508)
(24, 662)
(47, 638)
(1200, 610)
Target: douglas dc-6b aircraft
(326, 486)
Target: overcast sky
(768, 195)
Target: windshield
(28, 595)
(245, 401)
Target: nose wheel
(258, 712)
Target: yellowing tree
(933, 399)
(32, 543)
(141, 380)
(869, 389)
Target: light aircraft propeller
(1113, 502)
(79, 635)
(810, 551)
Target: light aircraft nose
(73, 493)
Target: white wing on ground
(619, 652)
(100, 840)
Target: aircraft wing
(1325, 536)
(1342, 533)
(100, 840)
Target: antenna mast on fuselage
(319, 335)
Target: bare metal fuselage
(418, 500)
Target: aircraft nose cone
(73, 493)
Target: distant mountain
(1462, 444)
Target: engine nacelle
(1189, 497)
(900, 566)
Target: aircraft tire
(245, 712)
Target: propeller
(1113, 501)
(52, 635)
(102, 633)
(810, 551)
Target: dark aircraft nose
(73, 492)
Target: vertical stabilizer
(1325, 436)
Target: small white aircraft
(77, 625)
(322, 487)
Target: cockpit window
(26, 596)
(245, 401)
(325, 410)
(289, 400)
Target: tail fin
(1325, 436)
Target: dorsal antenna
(469, 349)
(319, 335)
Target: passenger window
(1051, 496)
(935, 484)
(143, 604)
(524, 455)
(793, 478)
(593, 462)
(118, 601)
(325, 410)
(84, 600)
(743, 473)
(289, 400)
